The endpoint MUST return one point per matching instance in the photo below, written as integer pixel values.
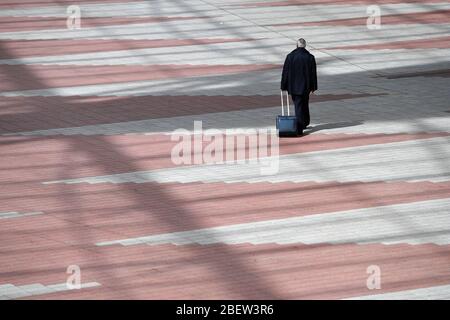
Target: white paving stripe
(335, 36)
(261, 51)
(163, 30)
(387, 61)
(10, 291)
(264, 51)
(235, 122)
(417, 160)
(431, 293)
(9, 215)
(412, 223)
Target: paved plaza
(359, 207)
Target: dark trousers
(301, 103)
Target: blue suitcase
(286, 125)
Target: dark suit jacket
(299, 72)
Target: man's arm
(314, 74)
(284, 74)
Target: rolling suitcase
(286, 125)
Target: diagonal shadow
(173, 212)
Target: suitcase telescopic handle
(282, 102)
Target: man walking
(299, 78)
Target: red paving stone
(106, 212)
(431, 43)
(438, 16)
(43, 158)
(239, 272)
(38, 113)
(63, 76)
(10, 49)
(429, 73)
